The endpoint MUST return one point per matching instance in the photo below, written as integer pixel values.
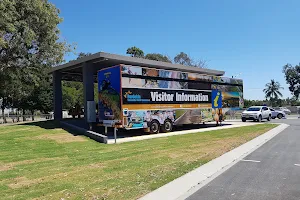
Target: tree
(200, 63)
(73, 91)
(135, 52)
(29, 44)
(292, 77)
(184, 59)
(45, 97)
(157, 57)
(81, 55)
(272, 91)
(248, 103)
(29, 33)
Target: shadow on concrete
(123, 133)
(77, 122)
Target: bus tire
(167, 126)
(154, 126)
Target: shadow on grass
(52, 124)
(121, 133)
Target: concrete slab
(184, 186)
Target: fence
(21, 118)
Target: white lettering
(156, 96)
(191, 97)
(153, 95)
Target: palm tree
(272, 90)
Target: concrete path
(182, 132)
(270, 172)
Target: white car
(285, 110)
(277, 113)
(257, 113)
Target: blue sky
(252, 38)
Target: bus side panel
(109, 91)
(232, 95)
(141, 118)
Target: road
(270, 172)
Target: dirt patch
(22, 181)
(208, 149)
(13, 130)
(9, 166)
(61, 138)
(5, 167)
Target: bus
(153, 99)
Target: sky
(252, 40)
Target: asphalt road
(270, 172)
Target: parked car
(276, 113)
(257, 113)
(285, 110)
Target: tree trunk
(18, 117)
(3, 115)
(24, 118)
(32, 115)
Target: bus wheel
(167, 126)
(154, 126)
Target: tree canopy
(72, 91)
(181, 58)
(272, 91)
(135, 52)
(29, 45)
(157, 57)
(184, 59)
(82, 54)
(292, 77)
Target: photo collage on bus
(143, 93)
(189, 113)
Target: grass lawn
(41, 161)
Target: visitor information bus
(134, 97)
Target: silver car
(277, 113)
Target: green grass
(45, 162)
